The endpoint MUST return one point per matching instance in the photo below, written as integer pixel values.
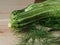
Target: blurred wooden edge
(37, 1)
(4, 25)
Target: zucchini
(22, 18)
(33, 22)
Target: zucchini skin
(13, 14)
(34, 13)
(51, 22)
(42, 4)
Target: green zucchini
(33, 22)
(22, 18)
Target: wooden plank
(37, 1)
(9, 4)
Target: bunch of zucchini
(41, 15)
